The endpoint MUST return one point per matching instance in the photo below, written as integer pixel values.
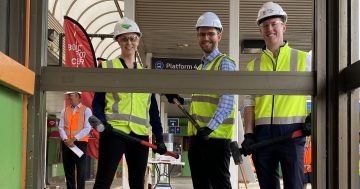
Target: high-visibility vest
(74, 122)
(203, 107)
(280, 109)
(127, 111)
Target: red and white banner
(79, 53)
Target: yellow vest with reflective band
(203, 107)
(285, 109)
(127, 111)
(74, 122)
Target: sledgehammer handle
(96, 124)
(142, 142)
(192, 120)
(295, 134)
(152, 146)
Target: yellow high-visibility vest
(203, 107)
(127, 111)
(280, 109)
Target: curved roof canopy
(96, 16)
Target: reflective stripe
(257, 64)
(147, 111)
(293, 60)
(217, 61)
(208, 99)
(81, 118)
(280, 120)
(207, 119)
(126, 117)
(115, 106)
(109, 64)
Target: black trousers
(111, 149)
(289, 154)
(71, 162)
(209, 163)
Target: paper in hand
(77, 151)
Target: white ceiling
(96, 17)
(166, 23)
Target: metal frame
(37, 138)
(351, 77)
(319, 138)
(175, 81)
(334, 159)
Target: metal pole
(61, 39)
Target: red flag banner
(79, 53)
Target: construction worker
(209, 158)
(127, 112)
(74, 128)
(271, 116)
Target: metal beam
(319, 134)
(175, 81)
(351, 77)
(37, 137)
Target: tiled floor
(176, 183)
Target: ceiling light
(252, 46)
(182, 45)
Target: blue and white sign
(175, 63)
(173, 122)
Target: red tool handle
(98, 125)
(152, 146)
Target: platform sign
(173, 122)
(174, 63)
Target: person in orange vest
(74, 128)
(307, 162)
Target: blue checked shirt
(226, 102)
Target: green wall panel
(10, 138)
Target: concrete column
(129, 9)
(234, 47)
(148, 60)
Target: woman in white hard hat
(127, 112)
(272, 116)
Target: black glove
(249, 140)
(108, 127)
(306, 130)
(170, 98)
(161, 148)
(204, 132)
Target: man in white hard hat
(74, 128)
(127, 112)
(209, 151)
(271, 116)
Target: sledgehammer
(186, 113)
(98, 125)
(237, 152)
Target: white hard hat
(126, 25)
(71, 92)
(270, 9)
(209, 19)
